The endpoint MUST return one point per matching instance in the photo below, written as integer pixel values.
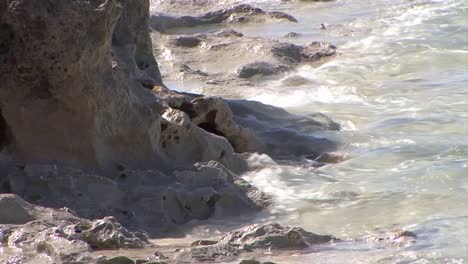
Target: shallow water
(400, 91)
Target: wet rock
(254, 261)
(398, 237)
(187, 70)
(217, 192)
(239, 13)
(119, 260)
(283, 135)
(312, 52)
(260, 68)
(106, 233)
(295, 80)
(183, 7)
(292, 35)
(244, 53)
(250, 261)
(257, 237)
(331, 158)
(187, 41)
(230, 33)
(208, 254)
(273, 236)
(203, 243)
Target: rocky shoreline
(98, 154)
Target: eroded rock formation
(87, 123)
(270, 236)
(68, 94)
(238, 13)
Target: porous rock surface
(72, 76)
(257, 237)
(58, 235)
(146, 200)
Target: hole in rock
(147, 84)
(5, 134)
(188, 109)
(211, 127)
(210, 124)
(6, 38)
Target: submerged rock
(187, 41)
(229, 59)
(239, 13)
(312, 52)
(260, 68)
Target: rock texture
(260, 68)
(145, 200)
(86, 123)
(61, 63)
(61, 236)
(223, 62)
(259, 237)
(239, 13)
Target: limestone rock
(145, 200)
(187, 142)
(225, 76)
(251, 238)
(229, 33)
(283, 135)
(106, 233)
(14, 210)
(61, 236)
(312, 52)
(260, 68)
(119, 260)
(78, 67)
(273, 236)
(188, 70)
(187, 41)
(213, 115)
(239, 13)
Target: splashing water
(400, 90)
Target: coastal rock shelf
(87, 125)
